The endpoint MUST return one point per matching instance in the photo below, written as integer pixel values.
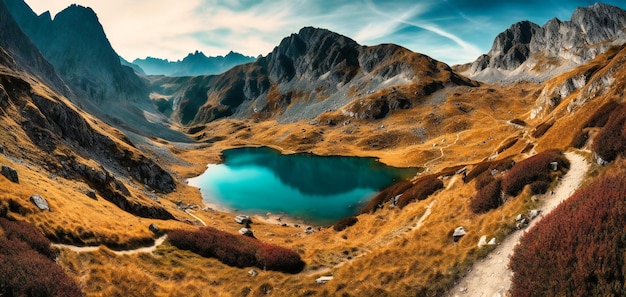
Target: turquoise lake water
(319, 190)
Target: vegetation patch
(485, 168)
(488, 197)
(541, 129)
(235, 250)
(345, 223)
(385, 195)
(535, 169)
(28, 268)
(578, 249)
(610, 142)
(424, 186)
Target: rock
(522, 224)
(554, 166)
(309, 230)
(10, 174)
(154, 228)
(243, 219)
(252, 272)
(91, 193)
(482, 241)
(519, 218)
(323, 279)
(492, 241)
(534, 213)
(246, 232)
(40, 202)
(458, 233)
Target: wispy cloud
(452, 31)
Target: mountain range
(109, 146)
(193, 64)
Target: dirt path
(491, 277)
(85, 249)
(195, 217)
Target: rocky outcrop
(307, 74)
(528, 51)
(10, 174)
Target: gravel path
(85, 249)
(491, 277)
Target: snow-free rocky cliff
(532, 52)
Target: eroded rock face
(529, 51)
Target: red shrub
(424, 186)
(235, 250)
(533, 169)
(601, 116)
(610, 141)
(28, 234)
(24, 272)
(487, 167)
(580, 139)
(385, 195)
(488, 197)
(345, 223)
(578, 249)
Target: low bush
(424, 186)
(601, 116)
(345, 223)
(236, 250)
(487, 167)
(26, 272)
(488, 197)
(385, 195)
(531, 170)
(610, 141)
(580, 139)
(578, 249)
(22, 231)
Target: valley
(490, 143)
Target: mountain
(193, 64)
(307, 74)
(76, 45)
(43, 127)
(529, 51)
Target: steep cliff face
(75, 43)
(307, 74)
(528, 51)
(47, 130)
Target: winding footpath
(85, 249)
(491, 277)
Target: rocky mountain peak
(311, 53)
(527, 51)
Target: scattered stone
(40, 202)
(522, 224)
(91, 193)
(395, 199)
(458, 233)
(554, 166)
(154, 228)
(323, 279)
(309, 230)
(492, 241)
(246, 232)
(482, 241)
(534, 213)
(10, 174)
(252, 272)
(519, 218)
(243, 219)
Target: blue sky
(453, 31)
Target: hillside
(294, 82)
(489, 156)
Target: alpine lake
(315, 189)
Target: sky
(452, 31)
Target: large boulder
(40, 202)
(10, 174)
